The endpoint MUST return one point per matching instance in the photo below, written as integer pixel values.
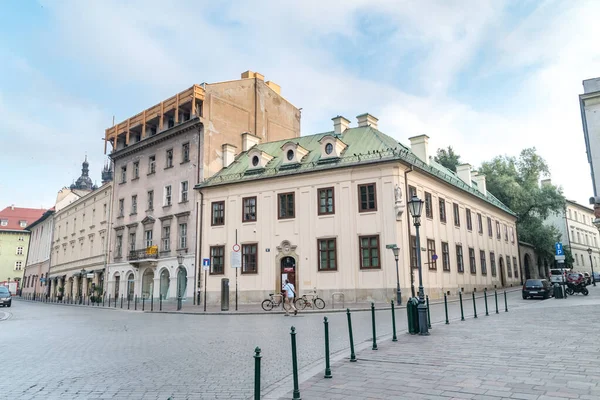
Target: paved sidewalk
(544, 350)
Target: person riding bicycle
(290, 293)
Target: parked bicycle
(311, 300)
(274, 300)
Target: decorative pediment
(149, 220)
(332, 147)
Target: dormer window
(290, 155)
(294, 153)
(257, 160)
(328, 148)
(23, 224)
(331, 148)
(3, 222)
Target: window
(493, 262)
(286, 206)
(169, 158)
(413, 252)
(508, 269)
(218, 213)
(185, 152)
(290, 155)
(121, 207)
(479, 223)
(168, 196)
(74, 224)
(578, 237)
(104, 210)
(430, 253)
(150, 200)
(136, 170)
(459, 259)
(123, 174)
(184, 191)
(516, 267)
(412, 191)
(469, 220)
(367, 198)
(446, 256)
(22, 224)
(498, 230)
(21, 238)
(512, 234)
(166, 238)
(20, 250)
(183, 236)
(490, 231)
(132, 241)
(217, 260)
(456, 214)
(327, 254)
(472, 264)
(483, 262)
(151, 165)
(326, 201)
(442, 203)
(134, 204)
(505, 232)
(148, 235)
(428, 206)
(248, 209)
(249, 262)
(18, 265)
(586, 239)
(570, 215)
(369, 252)
(328, 148)
(4, 222)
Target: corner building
(159, 155)
(320, 210)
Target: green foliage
(568, 257)
(448, 158)
(515, 182)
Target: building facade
(14, 241)
(589, 103)
(35, 276)
(159, 155)
(322, 211)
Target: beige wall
(346, 225)
(582, 234)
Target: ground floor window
(327, 254)
(369, 252)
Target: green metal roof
(365, 145)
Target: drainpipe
(256, 105)
(410, 267)
(568, 237)
(199, 210)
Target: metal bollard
(428, 313)
(373, 323)
(352, 355)
(109, 300)
(143, 303)
(152, 303)
(135, 303)
(446, 308)
(505, 302)
(295, 364)
(474, 306)
(88, 300)
(496, 298)
(486, 306)
(257, 358)
(160, 303)
(462, 314)
(327, 366)
(394, 337)
(104, 297)
(128, 301)
(121, 302)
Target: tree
(448, 158)
(515, 182)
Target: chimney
(419, 146)
(274, 87)
(464, 173)
(340, 124)
(249, 140)
(12, 207)
(367, 119)
(480, 182)
(228, 154)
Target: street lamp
(415, 206)
(179, 288)
(592, 265)
(396, 251)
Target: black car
(5, 297)
(537, 288)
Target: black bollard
(108, 300)
(474, 306)
(327, 366)
(352, 354)
(160, 303)
(296, 394)
(135, 303)
(152, 303)
(505, 302)
(128, 301)
(428, 313)
(496, 298)
(143, 303)
(373, 323)
(257, 358)
(462, 314)
(486, 306)
(446, 308)
(394, 337)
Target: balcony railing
(143, 254)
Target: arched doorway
(502, 271)
(527, 270)
(130, 286)
(117, 284)
(288, 270)
(181, 282)
(70, 287)
(164, 284)
(147, 283)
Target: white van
(558, 275)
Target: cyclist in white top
(290, 293)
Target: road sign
(236, 259)
(434, 257)
(558, 246)
(236, 247)
(559, 258)
(206, 264)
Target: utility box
(224, 294)
(413, 315)
(558, 291)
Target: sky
(487, 77)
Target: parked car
(537, 288)
(558, 275)
(597, 276)
(5, 296)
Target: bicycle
(309, 300)
(274, 300)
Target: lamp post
(179, 288)
(396, 251)
(415, 206)
(592, 265)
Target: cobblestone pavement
(543, 350)
(78, 352)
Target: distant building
(35, 277)
(84, 182)
(14, 240)
(589, 104)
